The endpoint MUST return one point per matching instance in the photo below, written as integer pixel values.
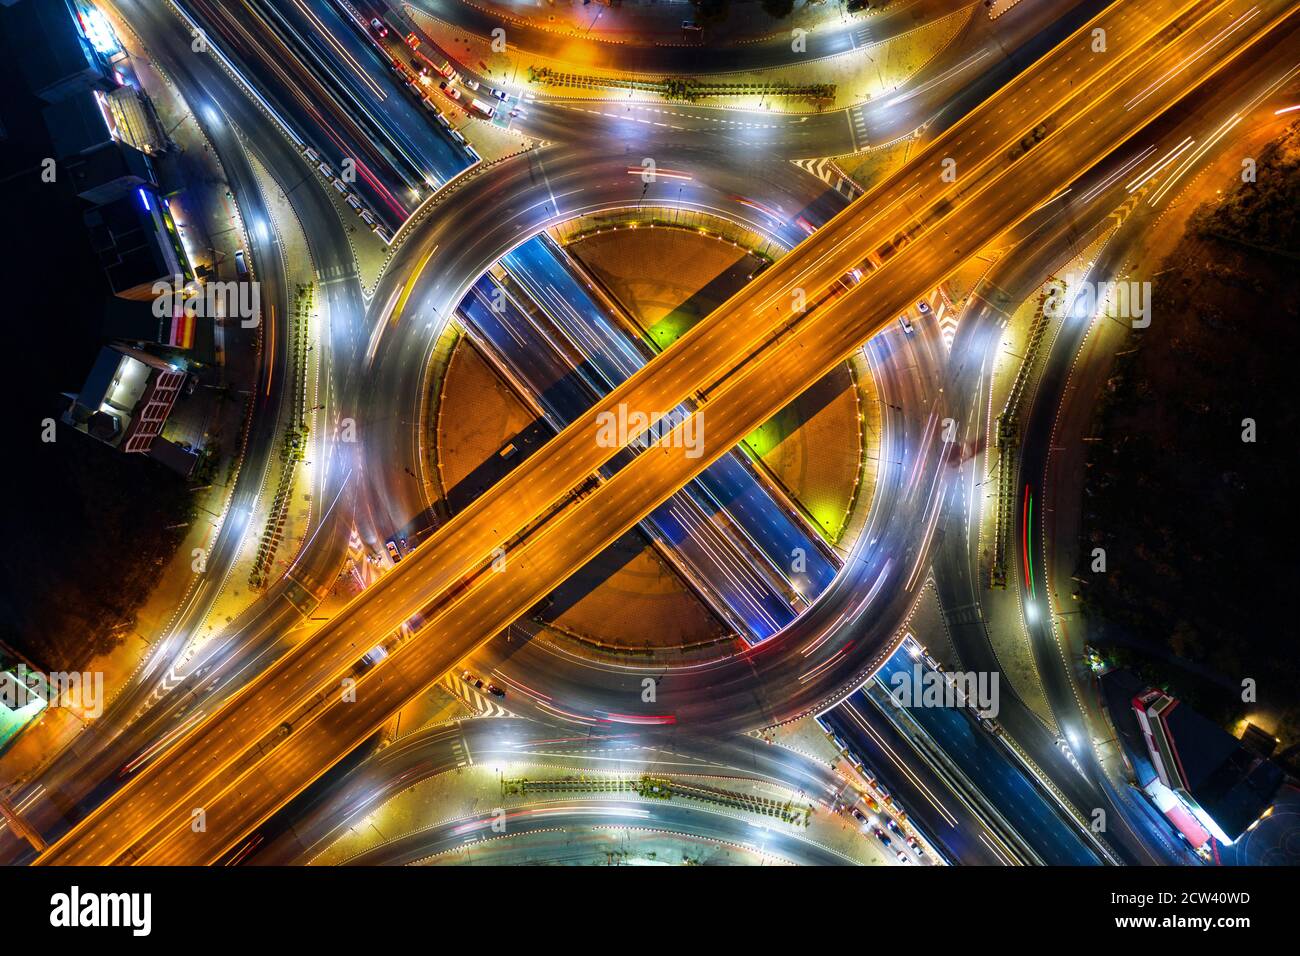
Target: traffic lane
(1072, 220)
(296, 837)
(298, 95)
(706, 558)
(954, 82)
(825, 40)
(325, 229)
(1003, 782)
(688, 820)
(958, 559)
(938, 811)
(697, 340)
(1059, 411)
(480, 223)
(346, 44)
(551, 682)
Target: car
(449, 90)
(472, 84)
(889, 822)
(495, 691)
(859, 815)
(923, 307)
(906, 324)
(882, 836)
(392, 551)
(378, 26)
(903, 857)
(241, 263)
(468, 678)
(499, 94)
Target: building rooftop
(135, 244)
(56, 58)
(77, 124)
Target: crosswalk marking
(480, 704)
(829, 173)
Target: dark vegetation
(1200, 526)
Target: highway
(807, 349)
(601, 509)
(782, 352)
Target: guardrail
(1008, 441)
(686, 89)
(664, 788)
(294, 444)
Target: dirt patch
(813, 448)
(477, 415)
(666, 279)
